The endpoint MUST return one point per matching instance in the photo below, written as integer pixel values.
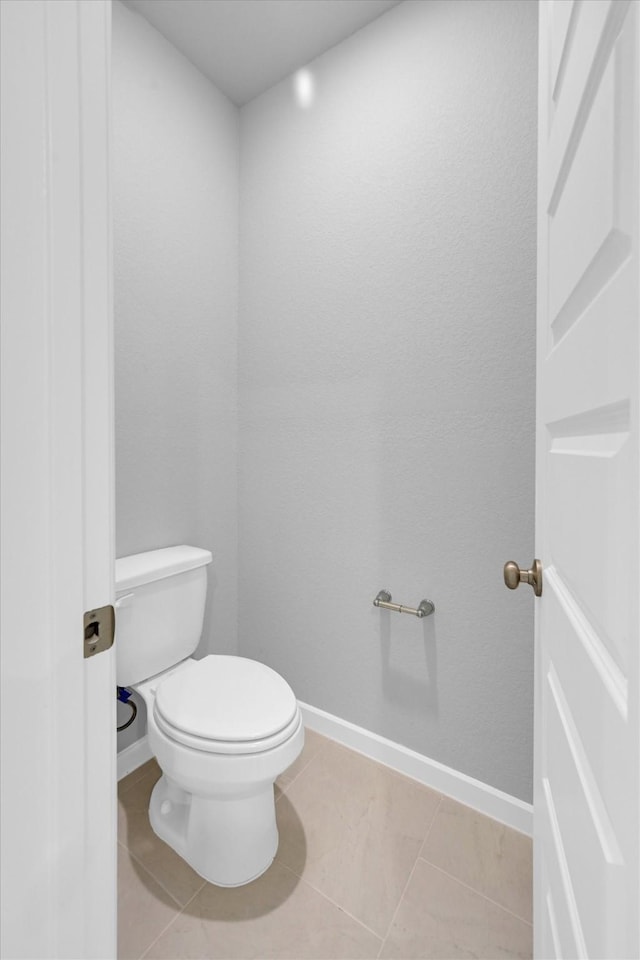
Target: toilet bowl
(214, 804)
(221, 728)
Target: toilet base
(228, 840)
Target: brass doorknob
(514, 576)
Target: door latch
(99, 630)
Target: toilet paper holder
(383, 599)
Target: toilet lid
(229, 699)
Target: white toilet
(221, 728)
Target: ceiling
(245, 46)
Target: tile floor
(370, 864)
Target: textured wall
(386, 348)
(175, 198)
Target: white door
(58, 835)
(587, 798)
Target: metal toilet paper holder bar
(383, 600)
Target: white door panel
(58, 709)
(587, 511)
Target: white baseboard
(472, 793)
(133, 756)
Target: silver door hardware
(99, 630)
(514, 576)
(383, 599)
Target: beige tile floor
(370, 864)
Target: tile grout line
(303, 770)
(475, 890)
(411, 872)
(181, 908)
(382, 938)
(332, 902)
(178, 911)
(159, 882)
(173, 920)
(285, 789)
(395, 912)
(398, 774)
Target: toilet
(221, 728)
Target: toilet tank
(160, 599)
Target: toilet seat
(226, 704)
(233, 747)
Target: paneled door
(587, 798)
(57, 743)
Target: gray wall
(386, 364)
(175, 199)
(386, 348)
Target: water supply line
(124, 696)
